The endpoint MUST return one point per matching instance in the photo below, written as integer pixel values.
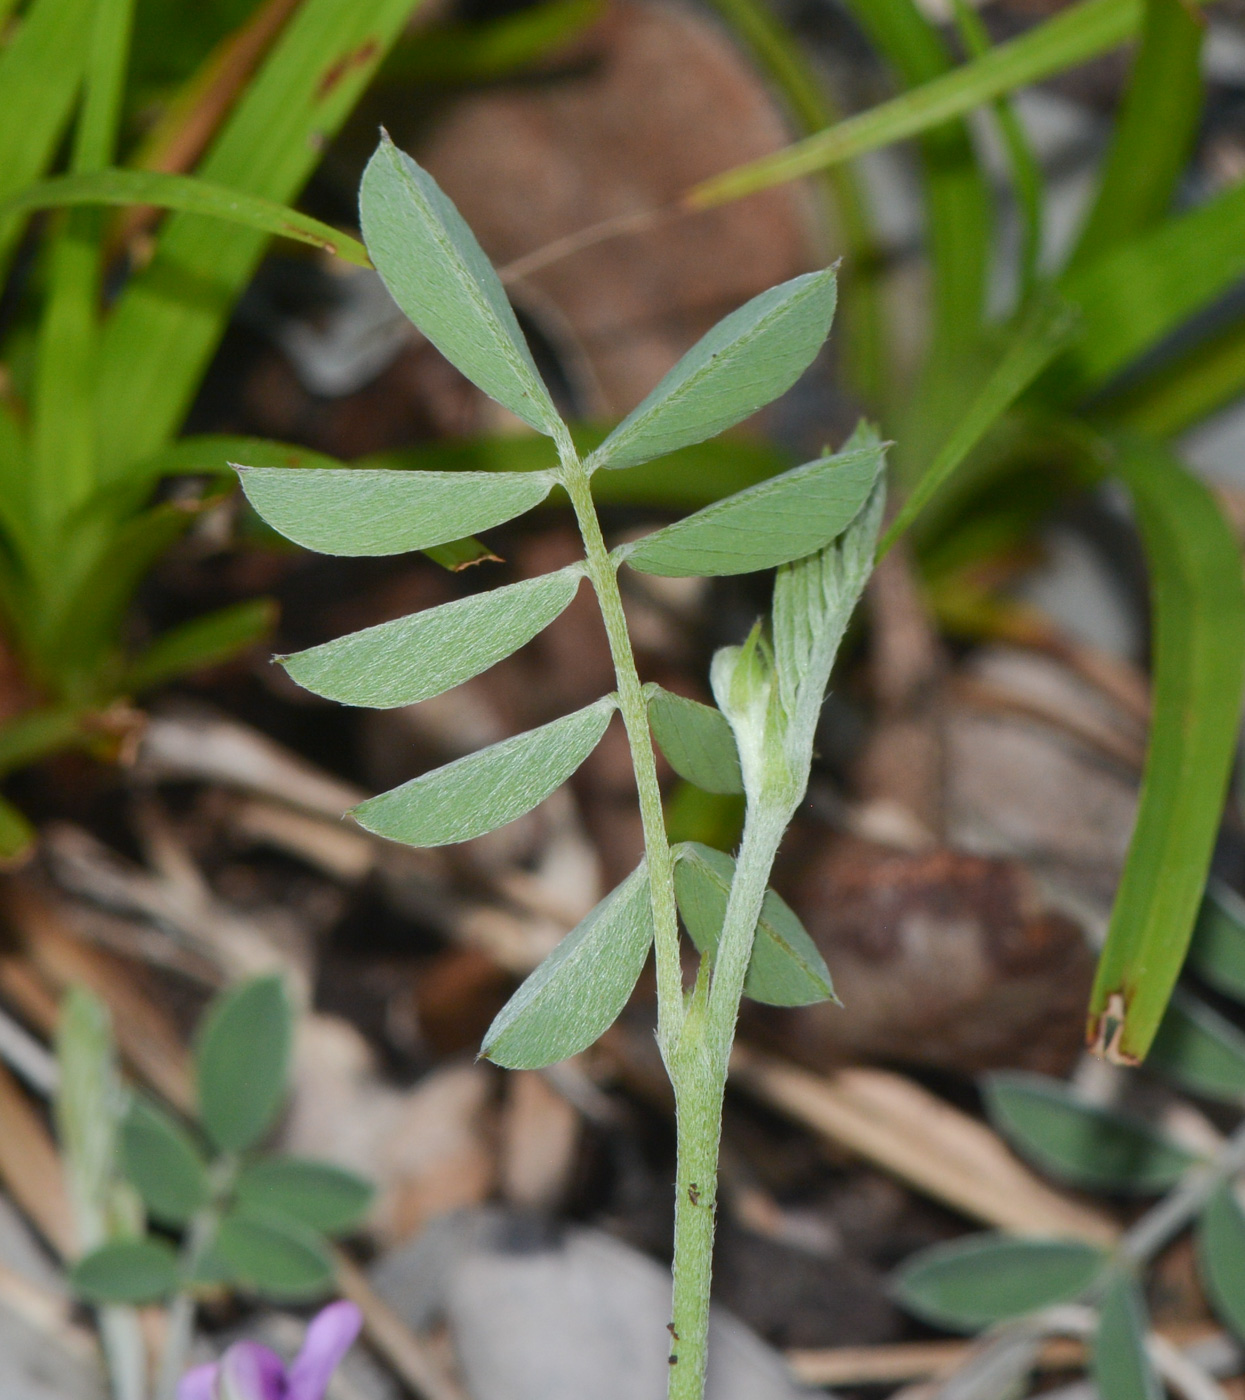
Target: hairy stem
(180, 1324)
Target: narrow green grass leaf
(1217, 952)
(163, 1164)
(364, 512)
(242, 1055)
(440, 277)
(414, 658)
(1122, 1368)
(487, 789)
(274, 1256)
(200, 643)
(784, 518)
(317, 1195)
(746, 361)
(211, 454)
(191, 195)
(1042, 334)
(580, 989)
(1153, 132)
(968, 1284)
(1186, 389)
(786, 967)
(1079, 1142)
(1076, 34)
(1221, 1256)
(696, 739)
(1200, 1050)
(126, 1271)
(1198, 650)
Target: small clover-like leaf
(417, 657)
(273, 1255)
(438, 274)
(241, 1059)
(126, 1271)
(784, 518)
(786, 968)
(1122, 1368)
(696, 740)
(487, 789)
(577, 993)
(373, 512)
(746, 361)
(318, 1195)
(970, 1283)
(163, 1163)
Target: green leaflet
(1217, 952)
(784, 518)
(274, 1256)
(1200, 1050)
(242, 1055)
(1079, 1142)
(696, 739)
(969, 1284)
(317, 1195)
(189, 194)
(1221, 1256)
(126, 1271)
(746, 361)
(163, 1164)
(440, 277)
(414, 658)
(364, 512)
(1122, 1370)
(786, 968)
(487, 789)
(1198, 602)
(577, 993)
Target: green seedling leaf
(417, 657)
(787, 517)
(746, 361)
(314, 1194)
(202, 642)
(382, 512)
(696, 739)
(577, 993)
(786, 968)
(1079, 1142)
(968, 1284)
(1221, 1256)
(487, 789)
(190, 194)
(276, 1257)
(440, 277)
(163, 1164)
(1122, 1369)
(1200, 1050)
(1198, 650)
(1217, 952)
(126, 1271)
(242, 1057)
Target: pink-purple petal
(330, 1335)
(199, 1384)
(249, 1371)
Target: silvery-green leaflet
(817, 524)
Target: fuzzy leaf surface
(1122, 1369)
(487, 789)
(126, 1271)
(242, 1057)
(163, 1164)
(414, 658)
(273, 1256)
(785, 518)
(786, 968)
(746, 361)
(382, 512)
(696, 739)
(577, 993)
(440, 277)
(315, 1194)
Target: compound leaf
(487, 789)
(1122, 1368)
(163, 1164)
(241, 1059)
(577, 993)
(315, 1194)
(786, 968)
(743, 363)
(273, 1256)
(440, 277)
(370, 512)
(417, 657)
(787, 517)
(696, 739)
(969, 1284)
(126, 1271)
(1080, 1142)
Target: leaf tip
(1106, 1031)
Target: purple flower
(248, 1371)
